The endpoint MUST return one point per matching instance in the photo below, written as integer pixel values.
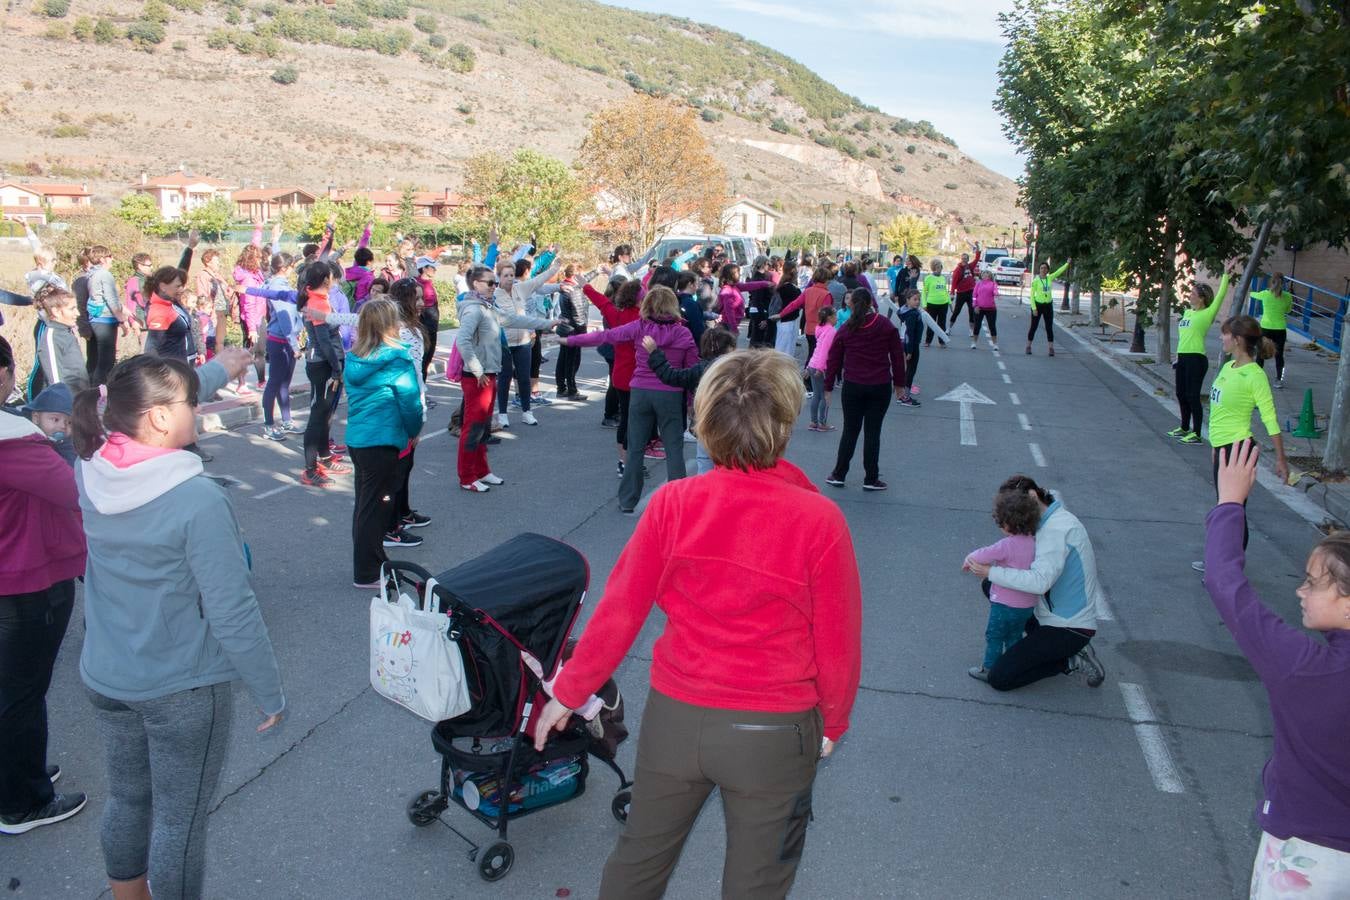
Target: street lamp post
(825, 226)
(851, 214)
(868, 252)
(1014, 237)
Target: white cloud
(956, 20)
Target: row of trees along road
(1159, 136)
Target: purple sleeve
(834, 363)
(365, 238)
(1272, 646)
(624, 333)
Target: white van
(740, 250)
(989, 254)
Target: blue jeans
(1006, 624)
(702, 459)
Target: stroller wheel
(495, 861)
(619, 807)
(425, 807)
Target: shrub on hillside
(897, 169)
(187, 5)
(426, 24)
(156, 11)
(55, 9)
(57, 31)
(180, 45)
(780, 126)
(145, 34)
(349, 15)
(105, 32)
(874, 151)
(710, 115)
(438, 41)
(384, 9)
(951, 185)
(911, 149)
(286, 75)
(461, 58)
(83, 29)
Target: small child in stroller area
(1018, 515)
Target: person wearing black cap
(50, 411)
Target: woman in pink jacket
(250, 272)
(730, 300)
(986, 310)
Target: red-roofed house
(429, 207)
(269, 203)
(28, 202)
(179, 192)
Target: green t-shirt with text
(1274, 309)
(1237, 390)
(934, 291)
(1195, 323)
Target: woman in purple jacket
(651, 399)
(1305, 811)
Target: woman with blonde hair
(651, 400)
(250, 272)
(754, 677)
(384, 417)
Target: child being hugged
(1018, 515)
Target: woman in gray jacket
(170, 621)
(479, 342)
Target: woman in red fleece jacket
(754, 677)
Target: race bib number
(1215, 395)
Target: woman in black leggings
(868, 351)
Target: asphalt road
(943, 787)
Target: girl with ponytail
(170, 621)
(1192, 363)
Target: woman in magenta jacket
(41, 553)
(868, 353)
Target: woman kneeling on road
(754, 677)
(1305, 813)
(1064, 572)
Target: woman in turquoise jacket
(1043, 304)
(384, 416)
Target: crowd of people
(102, 472)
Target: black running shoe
(415, 519)
(60, 808)
(401, 538)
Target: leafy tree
(651, 155)
(212, 218)
(909, 231)
(407, 210)
(352, 217)
(528, 194)
(142, 212)
(106, 227)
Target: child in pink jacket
(1019, 515)
(986, 309)
(815, 369)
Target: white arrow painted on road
(967, 396)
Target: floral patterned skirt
(1299, 868)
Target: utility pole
(825, 226)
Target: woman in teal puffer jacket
(384, 416)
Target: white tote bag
(412, 661)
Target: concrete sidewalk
(1307, 367)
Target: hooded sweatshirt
(671, 335)
(384, 398)
(251, 307)
(167, 600)
(42, 542)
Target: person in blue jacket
(384, 416)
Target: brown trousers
(763, 763)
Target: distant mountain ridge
(375, 93)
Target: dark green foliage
(426, 24)
(286, 75)
(708, 114)
(911, 149)
(438, 41)
(898, 169)
(105, 32)
(145, 34)
(921, 128)
(55, 9)
(460, 58)
(873, 151)
(780, 126)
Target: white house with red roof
(267, 203)
(181, 191)
(29, 202)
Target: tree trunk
(1096, 307)
(1077, 307)
(1064, 301)
(1337, 455)
(1165, 323)
(1137, 341)
(1253, 263)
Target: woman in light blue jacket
(170, 621)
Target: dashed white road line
(1006, 378)
(1024, 421)
(1037, 455)
(276, 490)
(1157, 757)
(1013, 397)
(1002, 366)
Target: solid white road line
(1013, 397)
(1037, 455)
(1024, 421)
(1157, 757)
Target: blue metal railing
(1317, 314)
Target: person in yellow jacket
(1192, 363)
(1276, 302)
(936, 300)
(1043, 305)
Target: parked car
(990, 255)
(740, 250)
(1008, 270)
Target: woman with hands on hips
(1305, 808)
(754, 676)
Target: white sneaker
(478, 487)
(994, 347)
(529, 419)
(689, 438)
(973, 346)
(489, 478)
(503, 421)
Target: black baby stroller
(511, 612)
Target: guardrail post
(1307, 311)
(1338, 327)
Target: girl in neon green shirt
(1276, 302)
(1239, 389)
(936, 301)
(1192, 363)
(1043, 305)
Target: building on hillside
(29, 203)
(179, 192)
(749, 218)
(429, 207)
(742, 217)
(267, 203)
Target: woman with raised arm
(1043, 304)
(1192, 361)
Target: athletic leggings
(810, 352)
(1226, 449)
(103, 348)
(982, 316)
(163, 759)
(515, 362)
(565, 376)
(320, 412)
(939, 314)
(865, 407)
(911, 365)
(1190, 377)
(431, 324)
(963, 299)
(1042, 312)
(281, 363)
(1277, 337)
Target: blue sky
(920, 59)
